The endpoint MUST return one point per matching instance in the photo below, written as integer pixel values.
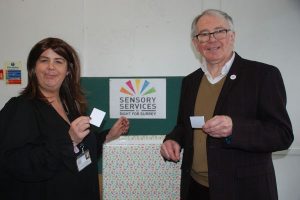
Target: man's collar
(224, 71)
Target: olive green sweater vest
(205, 105)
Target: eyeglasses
(218, 35)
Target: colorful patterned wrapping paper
(134, 169)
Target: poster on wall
(13, 72)
(137, 98)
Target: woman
(48, 149)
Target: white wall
(151, 38)
(25, 22)
(287, 174)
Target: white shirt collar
(224, 71)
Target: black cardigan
(37, 161)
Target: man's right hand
(170, 150)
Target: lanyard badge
(83, 159)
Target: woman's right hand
(79, 128)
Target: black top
(37, 159)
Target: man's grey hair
(211, 12)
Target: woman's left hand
(120, 127)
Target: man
(244, 106)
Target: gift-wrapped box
(134, 169)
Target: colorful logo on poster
(144, 90)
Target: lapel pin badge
(233, 76)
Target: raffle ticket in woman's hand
(97, 117)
